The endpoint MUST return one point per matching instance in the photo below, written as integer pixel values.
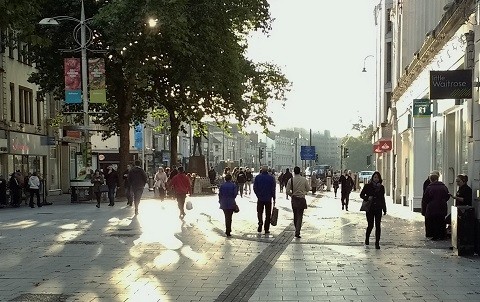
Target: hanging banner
(138, 137)
(96, 78)
(73, 81)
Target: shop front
(27, 154)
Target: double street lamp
(83, 43)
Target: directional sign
(307, 152)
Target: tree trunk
(174, 129)
(125, 115)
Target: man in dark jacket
(347, 184)
(137, 178)
(435, 199)
(285, 178)
(264, 187)
(241, 180)
(111, 178)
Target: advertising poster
(73, 81)
(96, 73)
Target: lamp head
(48, 21)
(364, 69)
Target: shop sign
(382, 145)
(451, 84)
(421, 108)
(25, 143)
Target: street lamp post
(83, 43)
(364, 60)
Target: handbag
(366, 204)
(274, 217)
(189, 205)
(236, 209)
(103, 188)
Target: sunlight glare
(165, 259)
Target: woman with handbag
(226, 197)
(373, 195)
(97, 181)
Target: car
(364, 175)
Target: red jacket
(181, 184)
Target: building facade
(415, 38)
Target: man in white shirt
(297, 187)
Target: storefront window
(464, 147)
(438, 139)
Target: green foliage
(359, 148)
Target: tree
(198, 67)
(359, 148)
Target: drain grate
(123, 235)
(86, 242)
(41, 298)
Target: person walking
(286, 177)
(335, 184)
(241, 180)
(34, 187)
(264, 188)
(249, 179)
(347, 185)
(428, 229)
(227, 193)
(280, 181)
(15, 189)
(435, 198)
(212, 175)
(374, 191)
(137, 178)
(111, 178)
(297, 187)
(126, 186)
(97, 181)
(160, 186)
(313, 182)
(181, 185)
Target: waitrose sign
(451, 84)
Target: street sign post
(307, 152)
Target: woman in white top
(34, 186)
(161, 179)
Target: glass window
(463, 146)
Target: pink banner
(73, 81)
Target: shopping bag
(103, 188)
(274, 217)
(189, 205)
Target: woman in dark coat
(15, 189)
(435, 198)
(97, 181)
(375, 192)
(227, 193)
(463, 197)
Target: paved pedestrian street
(76, 252)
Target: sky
(321, 47)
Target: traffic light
(260, 153)
(345, 152)
(316, 157)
